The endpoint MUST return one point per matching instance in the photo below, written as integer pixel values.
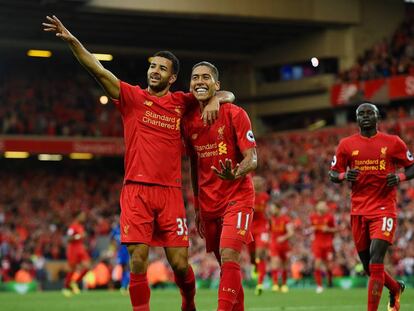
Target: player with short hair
(152, 207)
(221, 156)
(281, 230)
(79, 261)
(323, 226)
(369, 162)
(260, 230)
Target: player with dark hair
(77, 255)
(281, 230)
(221, 156)
(152, 208)
(323, 226)
(369, 161)
(260, 230)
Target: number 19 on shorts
(387, 224)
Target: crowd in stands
(388, 57)
(37, 204)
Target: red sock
(284, 276)
(375, 285)
(239, 306)
(187, 289)
(68, 279)
(275, 277)
(391, 283)
(81, 275)
(317, 274)
(229, 287)
(139, 292)
(261, 269)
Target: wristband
(402, 177)
(196, 205)
(341, 176)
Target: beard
(161, 86)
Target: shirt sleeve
(186, 99)
(340, 160)
(243, 129)
(127, 97)
(402, 156)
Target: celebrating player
(369, 161)
(281, 230)
(77, 256)
(221, 156)
(260, 231)
(152, 208)
(323, 225)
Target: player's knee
(138, 259)
(179, 266)
(228, 254)
(376, 258)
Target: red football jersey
(228, 137)
(375, 158)
(318, 222)
(260, 219)
(278, 226)
(75, 228)
(152, 134)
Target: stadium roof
(139, 32)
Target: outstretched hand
(392, 180)
(227, 171)
(351, 175)
(53, 24)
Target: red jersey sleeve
(331, 222)
(340, 160)
(401, 155)
(127, 96)
(187, 99)
(243, 130)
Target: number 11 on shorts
(240, 219)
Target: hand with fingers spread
(227, 171)
(53, 24)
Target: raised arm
(108, 81)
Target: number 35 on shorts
(182, 226)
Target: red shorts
(153, 215)
(279, 250)
(367, 228)
(324, 252)
(76, 254)
(230, 231)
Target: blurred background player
(369, 160)
(323, 226)
(281, 230)
(122, 257)
(79, 261)
(152, 182)
(260, 231)
(223, 191)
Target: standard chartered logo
(222, 147)
(160, 120)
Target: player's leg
(183, 275)
(139, 291)
(230, 281)
(276, 267)
(234, 236)
(261, 257)
(317, 274)
(285, 267)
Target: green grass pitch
(298, 299)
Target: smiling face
(160, 74)
(203, 83)
(367, 116)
